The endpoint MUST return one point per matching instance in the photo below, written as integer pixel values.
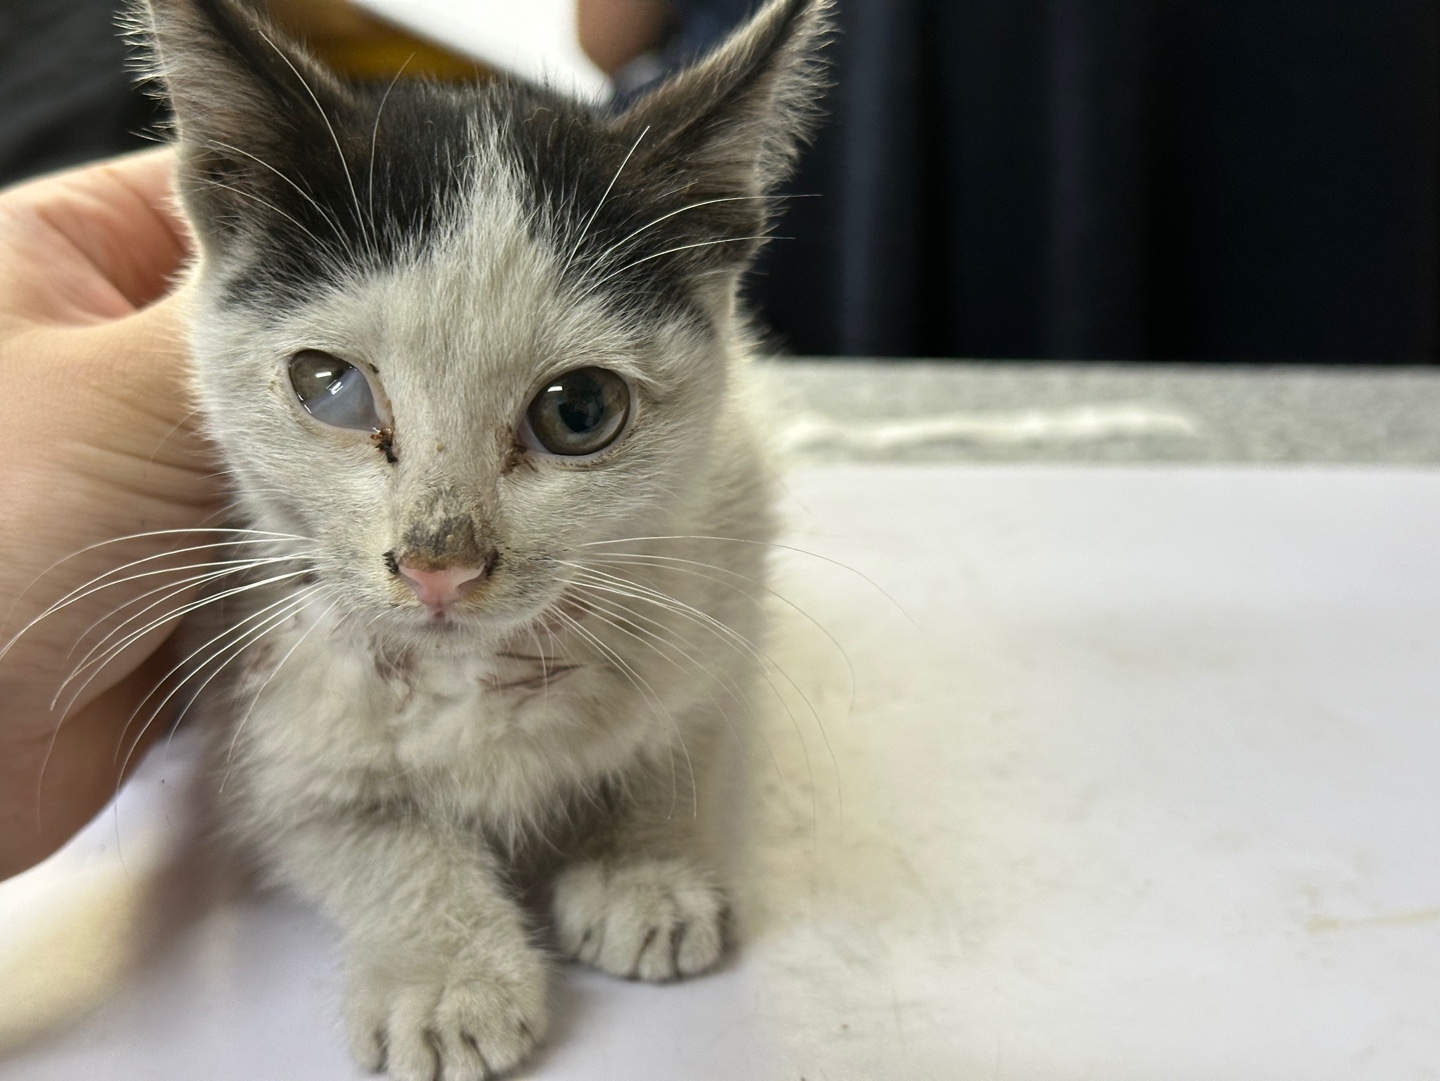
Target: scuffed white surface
(535, 39)
(1147, 789)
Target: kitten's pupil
(582, 405)
(581, 412)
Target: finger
(123, 387)
(141, 365)
(141, 359)
(137, 238)
(110, 233)
(53, 780)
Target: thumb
(140, 391)
(150, 351)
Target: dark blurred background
(1218, 180)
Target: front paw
(453, 1020)
(656, 920)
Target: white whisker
(375, 135)
(585, 229)
(763, 544)
(619, 245)
(664, 562)
(679, 248)
(225, 639)
(654, 640)
(652, 700)
(246, 639)
(183, 585)
(628, 624)
(117, 648)
(603, 582)
(137, 536)
(339, 150)
(334, 225)
(104, 581)
(255, 700)
(268, 205)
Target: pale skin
(100, 445)
(615, 32)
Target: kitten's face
(434, 429)
(453, 336)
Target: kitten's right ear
(242, 94)
(727, 129)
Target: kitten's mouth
(445, 622)
(428, 622)
(449, 622)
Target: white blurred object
(534, 39)
(1074, 424)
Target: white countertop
(1147, 789)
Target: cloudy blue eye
(333, 391)
(580, 412)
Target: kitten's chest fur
(483, 694)
(496, 738)
(486, 712)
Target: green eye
(579, 413)
(334, 391)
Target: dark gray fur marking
(308, 179)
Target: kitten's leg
(443, 980)
(641, 902)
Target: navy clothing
(703, 24)
(1194, 179)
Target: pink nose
(436, 589)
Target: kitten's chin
(458, 631)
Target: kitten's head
(452, 334)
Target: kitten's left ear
(243, 96)
(730, 127)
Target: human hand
(95, 410)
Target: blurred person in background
(1247, 180)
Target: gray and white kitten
(473, 357)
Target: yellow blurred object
(362, 46)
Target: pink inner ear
(436, 589)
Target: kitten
(474, 357)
